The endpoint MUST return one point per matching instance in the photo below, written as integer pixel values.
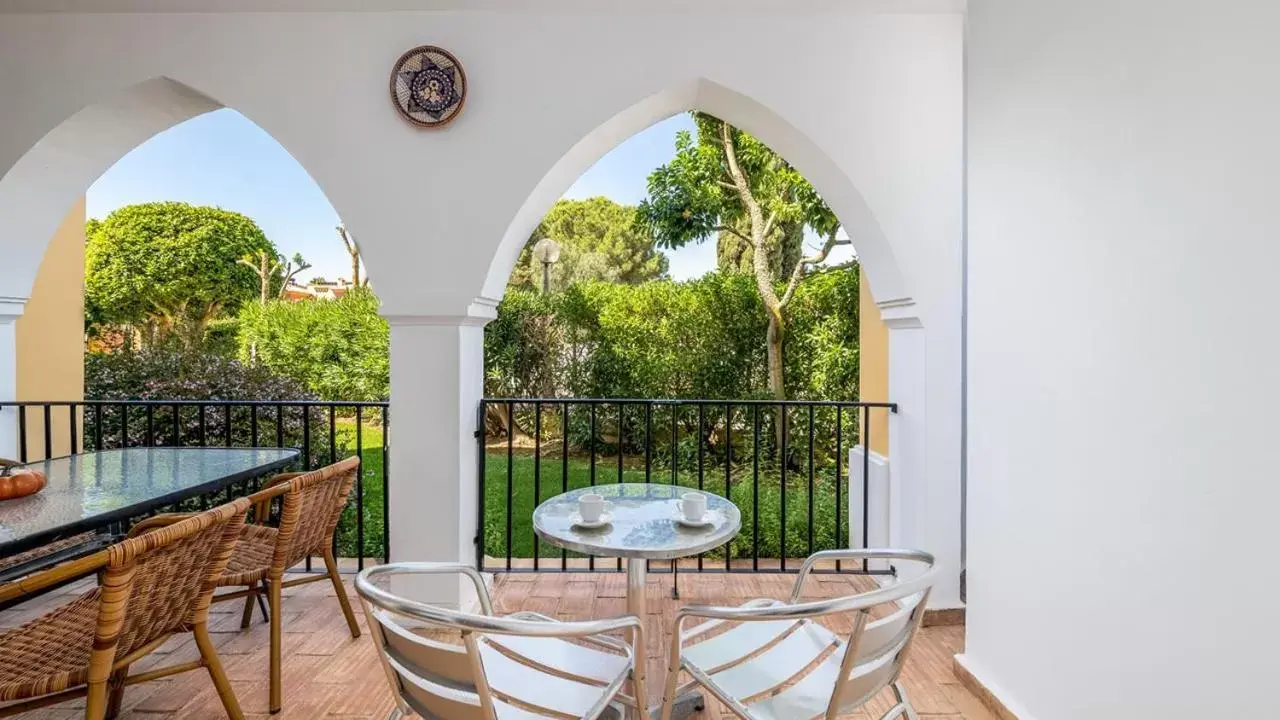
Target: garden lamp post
(546, 251)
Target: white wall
(1124, 238)
(865, 96)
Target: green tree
(169, 268)
(727, 184)
(338, 348)
(598, 241)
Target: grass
(532, 482)
(551, 477)
(373, 489)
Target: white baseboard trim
(974, 677)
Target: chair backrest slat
(310, 512)
(441, 662)
(166, 576)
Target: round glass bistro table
(643, 528)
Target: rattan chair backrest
(162, 581)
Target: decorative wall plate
(428, 86)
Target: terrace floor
(329, 675)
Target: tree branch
(731, 231)
(760, 255)
(798, 273)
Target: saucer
(576, 521)
(704, 522)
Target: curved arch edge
(705, 95)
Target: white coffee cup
(591, 507)
(694, 506)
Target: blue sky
(223, 159)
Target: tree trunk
(773, 345)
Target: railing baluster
(151, 425)
(840, 541)
(537, 473)
(97, 426)
(511, 425)
(755, 488)
(253, 425)
(333, 458)
(591, 560)
(279, 426)
(202, 434)
(22, 433)
(621, 412)
(306, 450)
(226, 425)
(177, 429)
(648, 440)
(728, 472)
(782, 487)
(702, 455)
(48, 431)
(124, 425)
(386, 484)
(564, 468)
(73, 429)
(866, 481)
(810, 518)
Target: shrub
(338, 349)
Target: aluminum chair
(775, 662)
(519, 666)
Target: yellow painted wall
(873, 364)
(50, 336)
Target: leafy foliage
(598, 241)
(338, 349)
(664, 339)
(170, 267)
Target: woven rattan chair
(155, 583)
(311, 504)
(774, 662)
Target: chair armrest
(855, 555)
(271, 489)
(54, 575)
(602, 640)
(366, 588)
(158, 521)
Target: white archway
(874, 251)
(36, 192)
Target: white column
(10, 311)
(924, 492)
(437, 380)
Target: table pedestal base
(686, 706)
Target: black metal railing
(783, 463)
(324, 432)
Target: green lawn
(554, 477)
(373, 489)
(552, 480)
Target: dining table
(642, 526)
(97, 490)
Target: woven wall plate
(428, 86)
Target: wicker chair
(157, 582)
(311, 504)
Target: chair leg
(115, 691)
(669, 692)
(216, 673)
(332, 566)
(247, 617)
(900, 693)
(95, 702)
(273, 600)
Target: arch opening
(702, 95)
